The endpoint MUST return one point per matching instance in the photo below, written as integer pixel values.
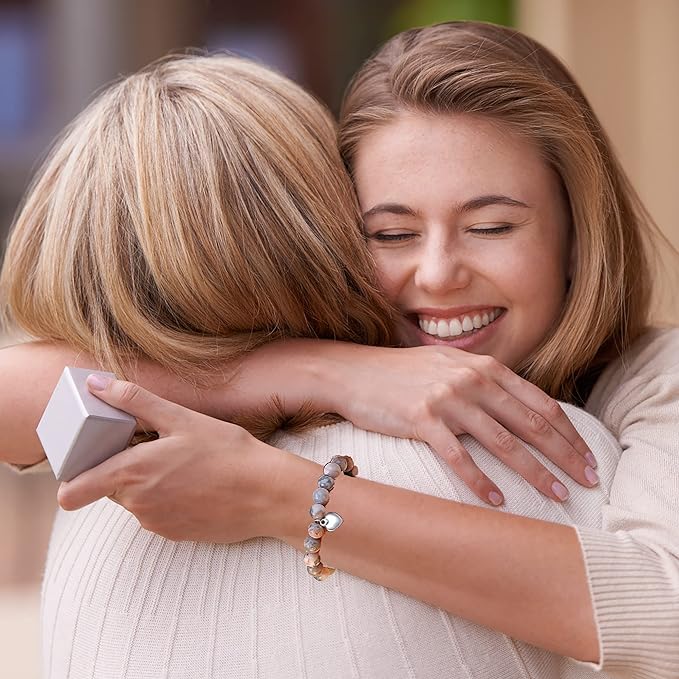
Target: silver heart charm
(331, 521)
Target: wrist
(290, 483)
(330, 373)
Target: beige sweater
(119, 601)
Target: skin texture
(439, 247)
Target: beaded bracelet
(323, 520)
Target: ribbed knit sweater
(121, 602)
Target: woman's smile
(467, 330)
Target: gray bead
(315, 530)
(326, 482)
(321, 496)
(317, 511)
(332, 469)
(312, 544)
(340, 461)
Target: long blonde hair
(193, 211)
(483, 69)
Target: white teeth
(455, 327)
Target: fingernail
(591, 460)
(560, 490)
(591, 476)
(97, 382)
(495, 498)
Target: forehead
(422, 155)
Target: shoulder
(644, 381)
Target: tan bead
(316, 530)
(315, 570)
(354, 471)
(350, 464)
(312, 559)
(326, 572)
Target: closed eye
(390, 237)
(493, 230)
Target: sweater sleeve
(632, 562)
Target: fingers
(534, 429)
(548, 408)
(451, 451)
(156, 413)
(507, 448)
(104, 480)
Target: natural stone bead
(332, 469)
(317, 511)
(315, 570)
(326, 482)
(316, 530)
(312, 544)
(326, 572)
(340, 461)
(312, 559)
(321, 496)
(350, 464)
(354, 471)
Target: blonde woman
(434, 103)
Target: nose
(441, 269)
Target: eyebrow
(469, 206)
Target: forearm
(29, 373)
(519, 576)
(285, 370)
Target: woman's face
(469, 230)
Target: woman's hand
(203, 479)
(435, 394)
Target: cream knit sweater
(121, 602)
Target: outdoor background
(54, 54)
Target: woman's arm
(427, 393)
(29, 372)
(615, 602)
(519, 576)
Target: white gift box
(77, 430)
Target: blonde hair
(192, 212)
(488, 70)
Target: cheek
(536, 286)
(391, 272)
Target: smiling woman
(454, 206)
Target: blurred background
(55, 54)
